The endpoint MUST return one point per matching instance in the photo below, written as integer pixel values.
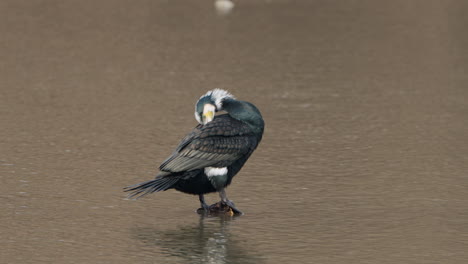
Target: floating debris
(224, 7)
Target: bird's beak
(208, 113)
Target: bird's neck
(245, 112)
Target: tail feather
(144, 188)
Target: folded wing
(216, 144)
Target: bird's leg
(224, 199)
(203, 204)
(222, 194)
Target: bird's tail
(143, 188)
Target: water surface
(364, 157)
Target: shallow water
(364, 157)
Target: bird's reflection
(209, 241)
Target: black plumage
(210, 155)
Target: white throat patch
(213, 172)
(209, 111)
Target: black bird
(210, 155)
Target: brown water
(364, 157)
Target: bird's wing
(216, 144)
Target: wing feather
(216, 144)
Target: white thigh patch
(212, 171)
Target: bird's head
(209, 104)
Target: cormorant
(210, 155)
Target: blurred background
(364, 157)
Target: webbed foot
(221, 208)
(234, 208)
